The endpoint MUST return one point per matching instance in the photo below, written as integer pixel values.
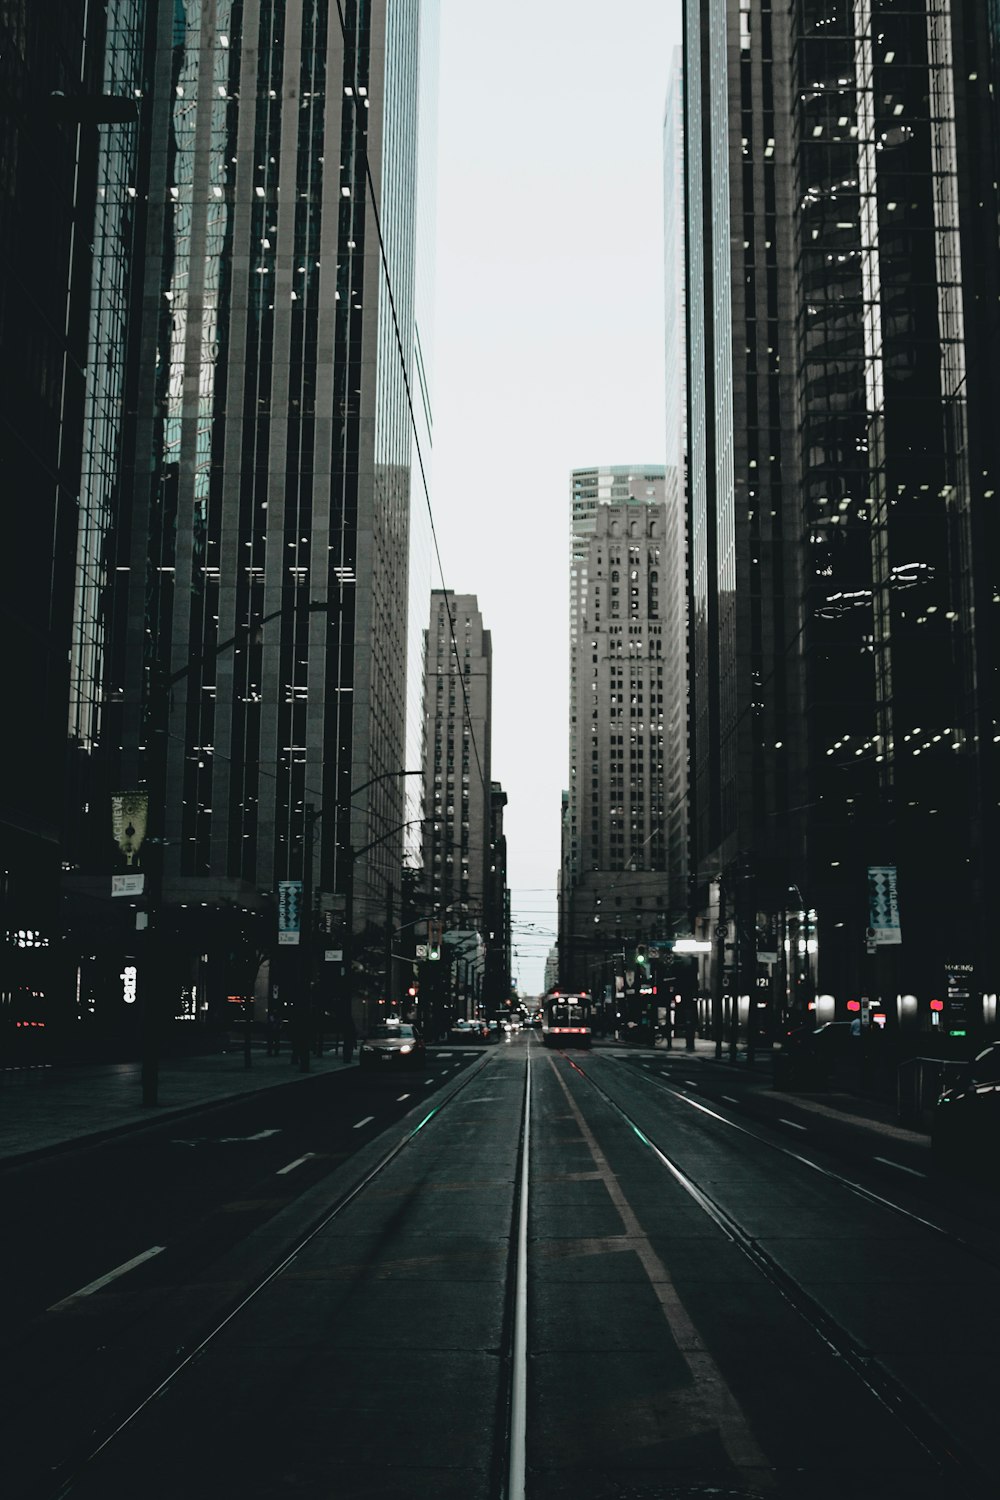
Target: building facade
(674, 591)
(240, 650)
(496, 908)
(51, 112)
(458, 673)
(618, 887)
(589, 490)
(840, 170)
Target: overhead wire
(360, 112)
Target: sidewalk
(50, 1108)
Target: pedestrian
(350, 1037)
(273, 1032)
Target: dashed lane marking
(793, 1123)
(899, 1166)
(366, 1121)
(401, 1098)
(95, 1286)
(293, 1164)
(729, 1099)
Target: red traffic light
(937, 1005)
(854, 1005)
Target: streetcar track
(923, 1428)
(868, 1194)
(72, 1469)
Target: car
(389, 1046)
(464, 1030)
(809, 1053)
(965, 1125)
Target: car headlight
(408, 1047)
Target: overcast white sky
(548, 352)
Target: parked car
(965, 1125)
(808, 1054)
(399, 1046)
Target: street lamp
(355, 854)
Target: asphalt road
(688, 1286)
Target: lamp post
(355, 854)
(160, 685)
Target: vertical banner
(883, 905)
(289, 909)
(129, 811)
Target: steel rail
(67, 1481)
(924, 1429)
(867, 1194)
(517, 1448)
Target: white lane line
(793, 1123)
(729, 1099)
(428, 1081)
(366, 1121)
(899, 1166)
(261, 1135)
(401, 1098)
(517, 1452)
(95, 1286)
(692, 1083)
(293, 1164)
(439, 1055)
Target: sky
(548, 353)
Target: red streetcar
(566, 1020)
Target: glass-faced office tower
(842, 292)
(250, 541)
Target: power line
(359, 111)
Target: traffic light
(433, 940)
(640, 955)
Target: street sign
(334, 955)
(127, 885)
(722, 929)
(421, 950)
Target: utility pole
(303, 1004)
(388, 944)
(720, 967)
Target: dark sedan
(809, 1054)
(387, 1047)
(965, 1127)
(464, 1030)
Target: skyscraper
(674, 571)
(590, 489)
(254, 541)
(457, 788)
(618, 889)
(50, 108)
(741, 465)
(842, 284)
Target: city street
(359, 1285)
